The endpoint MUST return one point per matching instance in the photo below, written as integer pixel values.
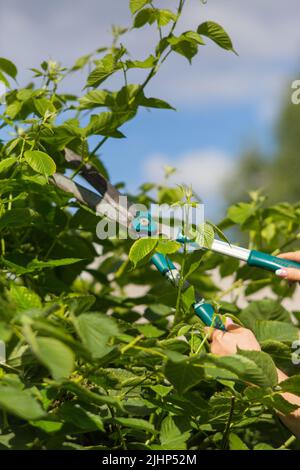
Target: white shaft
(230, 250)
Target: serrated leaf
(216, 33)
(236, 443)
(24, 298)
(95, 329)
(135, 423)
(142, 249)
(291, 385)
(7, 163)
(20, 402)
(265, 363)
(205, 235)
(8, 67)
(174, 432)
(55, 355)
(17, 217)
(167, 247)
(183, 374)
(136, 5)
(40, 162)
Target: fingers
(213, 333)
(291, 255)
(291, 274)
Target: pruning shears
(107, 203)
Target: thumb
(213, 333)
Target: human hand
(291, 274)
(225, 343)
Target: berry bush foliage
(89, 366)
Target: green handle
(206, 313)
(269, 262)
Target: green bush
(82, 371)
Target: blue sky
(224, 103)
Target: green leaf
(40, 162)
(183, 374)
(36, 264)
(95, 329)
(43, 105)
(3, 79)
(104, 68)
(219, 232)
(144, 64)
(265, 309)
(8, 67)
(205, 235)
(81, 418)
(135, 423)
(241, 212)
(167, 247)
(184, 46)
(148, 15)
(81, 62)
(24, 298)
(194, 37)
(149, 331)
(55, 355)
(104, 124)
(98, 76)
(95, 98)
(164, 17)
(88, 396)
(241, 367)
(192, 263)
(17, 218)
(20, 402)
(275, 330)
(291, 385)
(136, 5)
(153, 103)
(174, 432)
(236, 443)
(216, 33)
(142, 249)
(265, 363)
(7, 163)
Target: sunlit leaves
(142, 249)
(216, 33)
(20, 402)
(95, 329)
(40, 162)
(55, 355)
(136, 5)
(8, 68)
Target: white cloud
(205, 169)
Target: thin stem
(99, 145)
(288, 442)
(131, 344)
(228, 424)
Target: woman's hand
(291, 274)
(224, 343)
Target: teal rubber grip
(162, 263)
(269, 262)
(206, 313)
